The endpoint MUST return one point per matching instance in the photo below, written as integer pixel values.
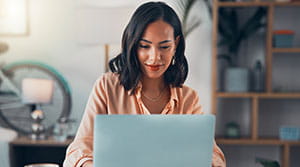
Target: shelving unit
(254, 97)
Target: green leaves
(267, 163)
(233, 33)
(254, 23)
(185, 7)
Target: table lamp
(36, 92)
(14, 20)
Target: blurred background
(71, 35)
(243, 63)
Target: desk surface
(26, 141)
(24, 150)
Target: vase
(237, 79)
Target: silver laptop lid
(153, 140)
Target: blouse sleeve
(81, 149)
(218, 158)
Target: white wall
(63, 33)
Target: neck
(153, 85)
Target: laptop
(153, 140)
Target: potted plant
(266, 162)
(184, 8)
(232, 34)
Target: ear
(177, 40)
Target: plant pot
(222, 66)
(237, 79)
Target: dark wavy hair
(127, 65)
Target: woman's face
(156, 49)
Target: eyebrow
(165, 41)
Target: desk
(26, 151)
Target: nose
(154, 55)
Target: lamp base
(37, 137)
(38, 129)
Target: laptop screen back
(153, 140)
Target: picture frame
(111, 51)
(14, 17)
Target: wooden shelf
(257, 3)
(242, 4)
(236, 95)
(246, 141)
(259, 95)
(25, 141)
(285, 3)
(286, 50)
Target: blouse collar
(174, 95)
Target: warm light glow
(13, 16)
(2, 9)
(37, 91)
(109, 3)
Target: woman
(147, 78)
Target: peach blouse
(109, 97)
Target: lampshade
(37, 91)
(14, 17)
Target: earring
(173, 61)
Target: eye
(165, 47)
(144, 46)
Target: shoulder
(187, 92)
(188, 100)
(107, 85)
(108, 80)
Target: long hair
(126, 64)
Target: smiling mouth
(153, 67)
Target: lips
(153, 67)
